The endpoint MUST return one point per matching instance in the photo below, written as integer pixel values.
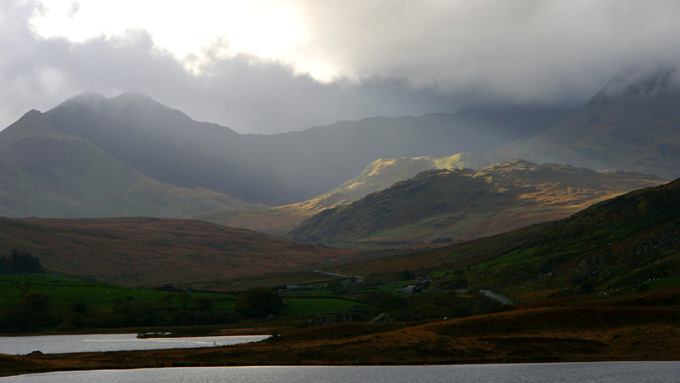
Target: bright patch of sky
(196, 32)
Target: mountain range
(169, 147)
(132, 156)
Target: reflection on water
(56, 344)
(615, 372)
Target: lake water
(57, 344)
(614, 372)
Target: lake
(614, 372)
(58, 344)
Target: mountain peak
(515, 164)
(98, 101)
(89, 99)
(134, 98)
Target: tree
(259, 303)
(19, 263)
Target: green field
(64, 289)
(52, 302)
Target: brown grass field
(152, 252)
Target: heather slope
(151, 251)
(618, 247)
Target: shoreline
(547, 335)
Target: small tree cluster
(20, 263)
(259, 303)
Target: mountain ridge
(633, 123)
(466, 204)
(376, 176)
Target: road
(496, 297)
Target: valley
(361, 233)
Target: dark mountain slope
(464, 204)
(160, 142)
(631, 124)
(332, 154)
(49, 174)
(168, 146)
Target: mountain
(464, 204)
(168, 146)
(378, 175)
(633, 123)
(617, 247)
(151, 251)
(50, 174)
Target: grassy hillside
(617, 247)
(146, 251)
(465, 204)
(377, 176)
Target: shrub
(259, 303)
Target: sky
(265, 66)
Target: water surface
(58, 344)
(614, 372)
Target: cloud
(520, 50)
(277, 66)
(243, 92)
(73, 10)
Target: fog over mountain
(633, 123)
(167, 145)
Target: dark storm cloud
(397, 58)
(521, 50)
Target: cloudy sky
(265, 66)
